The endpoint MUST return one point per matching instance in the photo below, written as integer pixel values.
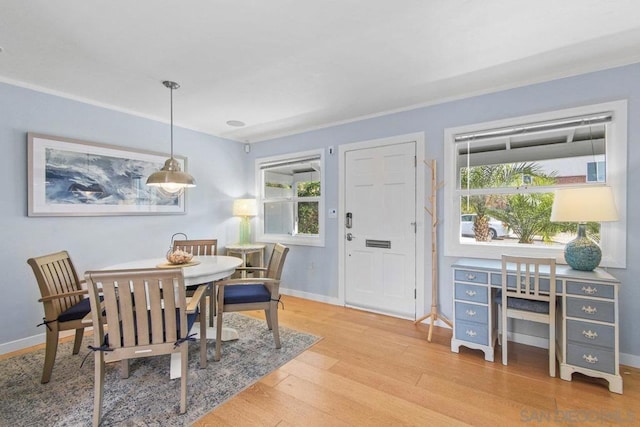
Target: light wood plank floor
(373, 370)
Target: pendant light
(170, 178)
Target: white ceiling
(286, 66)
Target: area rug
(148, 397)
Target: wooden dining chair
(206, 247)
(64, 302)
(147, 315)
(525, 295)
(258, 293)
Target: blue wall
(94, 242)
(592, 88)
(224, 171)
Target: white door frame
(420, 261)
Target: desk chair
(524, 296)
(147, 315)
(64, 304)
(258, 293)
(206, 247)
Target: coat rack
(432, 211)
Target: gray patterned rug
(148, 397)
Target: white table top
(211, 268)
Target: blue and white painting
(73, 178)
(78, 178)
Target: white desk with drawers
(587, 318)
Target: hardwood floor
(372, 370)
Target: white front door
(380, 244)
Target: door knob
(350, 237)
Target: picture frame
(68, 177)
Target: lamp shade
(586, 204)
(245, 207)
(582, 205)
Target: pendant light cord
(171, 97)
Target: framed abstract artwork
(68, 177)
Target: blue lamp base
(582, 253)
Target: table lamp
(245, 209)
(582, 205)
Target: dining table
(201, 270)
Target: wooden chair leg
(51, 348)
(274, 323)
(267, 316)
(98, 387)
(552, 349)
(203, 335)
(184, 356)
(212, 303)
(124, 369)
(77, 342)
(216, 357)
(505, 332)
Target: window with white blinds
(501, 177)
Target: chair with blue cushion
(64, 303)
(258, 293)
(528, 296)
(147, 314)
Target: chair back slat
(141, 313)
(126, 310)
(169, 310)
(155, 314)
(206, 247)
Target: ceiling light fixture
(235, 123)
(170, 178)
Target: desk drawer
(472, 332)
(472, 276)
(591, 333)
(591, 358)
(472, 293)
(591, 309)
(590, 289)
(472, 313)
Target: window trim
(614, 234)
(300, 239)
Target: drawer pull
(471, 333)
(589, 310)
(470, 313)
(590, 359)
(470, 293)
(589, 290)
(590, 334)
(470, 276)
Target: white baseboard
(23, 343)
(630, 360)
(310, 296)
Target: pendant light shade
(170, 178)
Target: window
(596, 171)
(503, 176)
(291, 198)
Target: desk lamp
(582, 205)
(245, 209)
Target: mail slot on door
(383, 244)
